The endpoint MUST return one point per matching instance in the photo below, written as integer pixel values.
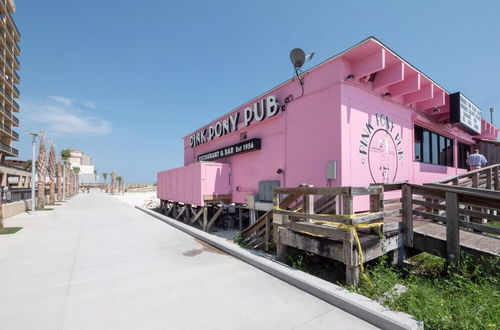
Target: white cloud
(58, 116)
(63, 100)
(89, 104)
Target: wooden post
(268, 230)
(252, 216)
(489, 178)
(337, 204)
(240, 219)
(347, 205)
(280, 248)
(475, 179)
(205, 218)
(214, 218)
(308, 204)
(475, 184)
(376, 205)
(452, 229)
(351, 264)
(174, 209)
(496, 179)
(407, 197)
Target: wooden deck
(431, 237)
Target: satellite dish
(298, 57)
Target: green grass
(467, 297)
(10, 230)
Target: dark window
(442, 150)
(418, 143)
(432, 148)
(463, 151)
(449, 152)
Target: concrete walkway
(97, 263)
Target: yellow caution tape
(346, 227)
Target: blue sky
(125, 80)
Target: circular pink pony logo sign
(381, 148)
(382, 157)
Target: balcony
(8, 97)
(2, 92)
(17, 77)
(16, 30)
(7, 113)
(15, 152)
(7, 129)
(15, 121)
(16, 106)
(15, 135)
(18, 64)
(5, 148)
(16, 91)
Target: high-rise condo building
(9, 64)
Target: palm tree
(52, 173)
(113, 178)
(41, 168)
(119, 179)
(59, 181)
(65, 155)
(76, 169)
(27, 165)
(104, 176)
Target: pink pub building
(363, 116)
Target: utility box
(266, 190)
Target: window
(418, 143)
(432, 148)
(463, 150)
(426, 146)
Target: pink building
(363, 116)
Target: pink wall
(348, 121)
(190, 183)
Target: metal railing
(16, 89)
(17, 76)
(15, 135)
(15, 152)
(15, 120)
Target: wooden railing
(453, 206)
(487, 178)
(259, 233)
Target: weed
(463, 297)
(240, 240)
(297, 259)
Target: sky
(125, 80)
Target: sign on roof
(465, 114)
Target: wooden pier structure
(442, 218)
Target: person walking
(476, 160)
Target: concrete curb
(353, 303)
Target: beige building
(9, 64)
(79, 158)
